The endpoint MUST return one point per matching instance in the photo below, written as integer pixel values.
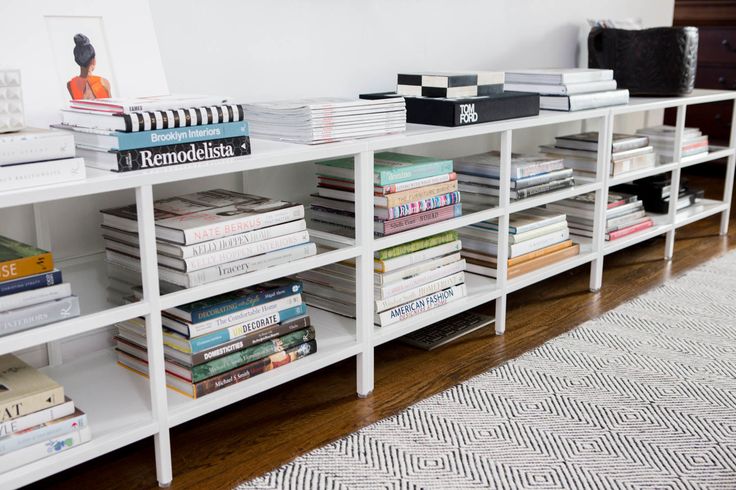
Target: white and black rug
(642, 397)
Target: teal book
(250, 354)
(389, 168)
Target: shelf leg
(596, 275)
(154, 335)
(603, 170)
(669, 245)
(501, 314)
(364, 301)
(728, 185)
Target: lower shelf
(702, 209)
(335, 341)
(117, 403)
(480, 289)
(660, 227)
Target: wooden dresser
(716, 21)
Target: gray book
(20, 319)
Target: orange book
(19, 260)
(543, 261)
(540, 253)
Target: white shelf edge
(706, 157)
(640, 174)
(75, 326)
(638, 237)
(548, 197)
(525, 280)
(700, 210)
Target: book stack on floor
(325, 120)
(694, 142)
(625, 214)
(32, 293)
(207, 236)
(34, 157)
(36, 420)
(409, 192)
(537, 238)
(151, 132)
(568, 89)
(478, 177)
(655, 192)
(458, 99)
(409, 279)
(223, 340)
(580, 151)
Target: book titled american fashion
(26, 390)
(420, 305)
(421, 290)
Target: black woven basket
(657, 61)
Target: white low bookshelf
(124, 407)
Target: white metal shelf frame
(347, 338)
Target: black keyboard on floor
(447, 330)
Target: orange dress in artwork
(89, 87)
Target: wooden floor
(254, 436)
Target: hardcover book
(29, 283)
(389, 168)
(19, 259)
(37, 315)
(35, 145)
(36, 418)
(416, 245)
(42, 173)
(24, 389)
(45, 449)
(420, 305)
(43, 432)
(146, 104)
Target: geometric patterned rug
(642, 397)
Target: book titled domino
(420, 305)
(165, 156)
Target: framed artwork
(73, 49)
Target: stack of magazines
(324, 120)
(31, 290)
(36, 419)
(207, 236)
(662, 138)
(219, 341)
(151, 132)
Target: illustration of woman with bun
(86, 85)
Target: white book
(563, 88)
(414, 269)
(35, 296)
(420, 305)
(211, 246)
(153, 103)
(492, 235)
(517, 249)
(482, 270)
(418, 292)
(212, 274)
(44, 449)
(558, 76)
(43, 432)
(581, 102)
(37, 315)
(36, 418)
(41, 173)
(35, 145)
(388, 290)
(395, 263)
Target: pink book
(614, 235)
(389, 227)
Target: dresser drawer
(717, 45)
(716, 77)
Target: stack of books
(151, 132)
(625, 214)
(32, 293)
(326, 119)
(537, 238)
(33, 157)
(449, 85)
(694, 142)
(409, 279)
(207, 236)
(223, 340)
(580, 151)
(478, 176)
(568, 89)
(656, 191)
(409, 192)
(36, 420)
